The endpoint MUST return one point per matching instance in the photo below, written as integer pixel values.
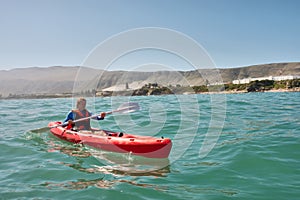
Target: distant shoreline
(50, 82)
(245, 91)
(54, 96)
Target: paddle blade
(127, 108)
(40, 130)
(130, 107)
(45, 129)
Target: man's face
(81, 105)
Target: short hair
(79, 100)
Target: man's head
(81, 103)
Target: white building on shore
(274, 78)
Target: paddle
(124, 108)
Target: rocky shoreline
(245, 91)
(132, 93)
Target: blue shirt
(71, 116)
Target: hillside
(58, 79)
(276, 69)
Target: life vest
(85, 124)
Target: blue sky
(63, 32)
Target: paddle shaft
(93, 116)
(129, 108)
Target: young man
(81, 112)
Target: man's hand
(102, 115)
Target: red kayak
(146, 146)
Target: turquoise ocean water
(256, 156)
